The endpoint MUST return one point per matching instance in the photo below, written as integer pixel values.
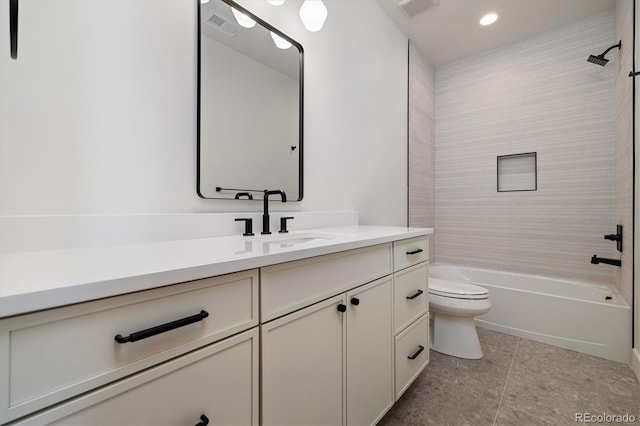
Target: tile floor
(518, 382)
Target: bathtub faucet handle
(617, 237)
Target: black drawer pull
(355, 301)
(417, 352)
(204, 421)
(415, 251)
(414, 295)
(342, 307)
(139, 335)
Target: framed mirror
(250, 92)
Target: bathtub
(586, 318)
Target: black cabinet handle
(204, 421)
(355, 301)
(415, 251)
(414, 295)
(342, 307)
(417, 352)
(139, 335)
(13, 27)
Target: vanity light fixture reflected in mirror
(242, 19)
(276, 2)
(280, 42)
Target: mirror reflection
(249, 107)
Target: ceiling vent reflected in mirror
(415, 7)
(220, 23)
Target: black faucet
(265, 214)
(615, 262)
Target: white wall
(538, 95)
(130, 96)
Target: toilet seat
(456, 289)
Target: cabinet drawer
(409, 252)
(80, 346)
(219, 381)
(410, 294)
(289, 286)
(408, 344)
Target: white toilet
(453, 306)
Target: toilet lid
(456, 289)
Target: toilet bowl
(454, 305)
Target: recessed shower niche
(518, 172)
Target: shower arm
(619, 45)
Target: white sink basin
(292, 239)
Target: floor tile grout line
(504, 389)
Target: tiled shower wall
(623, 30)
(538, 95)
(421, 143)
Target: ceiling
(450, 31)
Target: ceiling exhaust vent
(415, 7)
(220, 23)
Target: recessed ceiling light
(489, 19)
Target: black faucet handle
(248, 225)
(283, 224)
(617, 237)
(239, 195)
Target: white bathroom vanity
(319, 326)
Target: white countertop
(32, 281)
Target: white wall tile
(538, 95)
(623, 129)
(421, 143)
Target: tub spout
(595, 260)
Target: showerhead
(600, 59)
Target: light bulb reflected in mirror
(243, 20)
(280, 42)
(276, 2)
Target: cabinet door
(302, 366)
(219, 381)
(369, 352)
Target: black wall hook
(13, 28)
